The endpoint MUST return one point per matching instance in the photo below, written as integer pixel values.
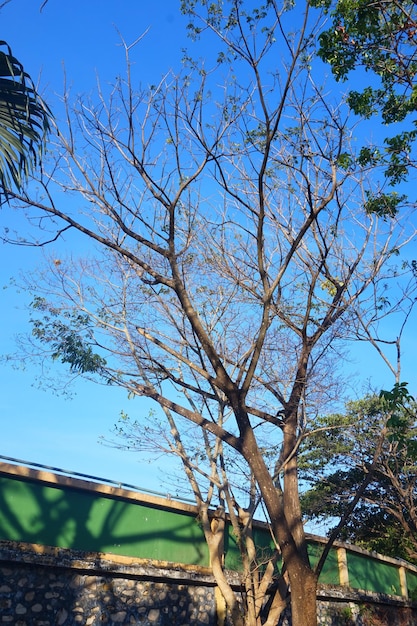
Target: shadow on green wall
(70, 518)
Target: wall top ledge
(343, 594)
(49, 556)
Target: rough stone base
(30, 596)
(364, 614)
(42, 586)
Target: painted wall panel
(330, 572)
(371, 574)
(69, 518)
(67, 513)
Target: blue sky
(83, 38)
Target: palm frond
(24, 122)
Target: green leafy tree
(385, 518)
(375, 44)
(24, 122)
(236, 256)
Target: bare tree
(238, 240)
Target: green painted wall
(373, 575)
(70, 518)
(265, 546)
(330, 572)
(263, 542)
(412, 584)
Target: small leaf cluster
(68, 338)
(384, 204)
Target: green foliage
(384, 204)
(369, 156)
(399, 149)
(67, 336)
(345, 616)
(345, 161)
(395, 402)
(363, 103)
(24, 122)
(341, 452)
(397, 397)
(228, 17)
(380, 37)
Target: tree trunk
(303, 581)
(303, 597)
(214, 530)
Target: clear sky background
(82, 37)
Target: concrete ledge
(102, 563)
(358, 596)
(54, 480)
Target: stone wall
(359, 609)
(43, 586)
(32, 596)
